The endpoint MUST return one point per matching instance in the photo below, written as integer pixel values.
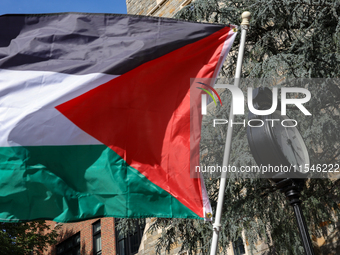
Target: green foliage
(297, 38)
(128, 226)
(26, 238)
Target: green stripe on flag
(69, 183)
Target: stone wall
(160, 8)
(148, 243)
(140, 7)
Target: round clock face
(289, 141)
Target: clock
(276, 143)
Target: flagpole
(217, 225)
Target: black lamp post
(292, 188)
(280, 146)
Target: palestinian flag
(95, 115)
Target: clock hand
(298, 154)
(294, 151)
(291, 145)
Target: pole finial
(245, 18)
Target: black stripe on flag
(82, 43)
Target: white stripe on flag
(27, 113)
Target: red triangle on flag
(144, 116)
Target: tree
(26, 238)
(290, 39)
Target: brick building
(94, 237)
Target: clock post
(291, 188)
(280, 146)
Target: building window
(70, 246)
(129, 245)
(238, 247)
(97, 238)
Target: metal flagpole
(217, 225)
